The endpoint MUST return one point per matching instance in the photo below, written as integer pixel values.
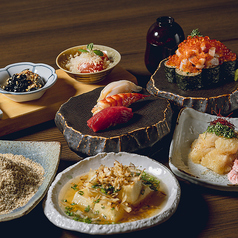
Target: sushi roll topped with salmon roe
(197, 53)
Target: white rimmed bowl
(90, 78)
(54, 213)
(45, 71)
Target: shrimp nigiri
(108, 117)
(121, 86)
(121, 99)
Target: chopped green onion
(75, 187)
(221, 130)
(97, 201)
(87, 209)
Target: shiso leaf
(82, 50)
(90, 46)
(98, 52)
(90, 49)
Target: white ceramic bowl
(54, 213)
(47, 154)
(190, 124)
(90, 78)
(45, 71)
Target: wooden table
(39, 31)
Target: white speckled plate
(45, 153)
(190, 124)
(57, 216)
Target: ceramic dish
(45, 153)
(90, 78)
(223, 97)
(142, 131)
(57, 217)
(190, 124)
(45, 71)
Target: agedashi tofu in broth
(112, 195)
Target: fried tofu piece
(219, 163)
(108, 211)
(83, 199)
(201, 146)
(131, 192)
(144, 194)
(214, 152)
(227, 146)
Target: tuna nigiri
(121, 86)
(110, 116)
(121, 99)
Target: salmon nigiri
(108, 117)
(121, 99)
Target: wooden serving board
(18, 116)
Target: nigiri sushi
(110, 116)
(233, 174)
(121, 99)
(121, 86)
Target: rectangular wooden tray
(18, 116)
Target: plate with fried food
(204, 150)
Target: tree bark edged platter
(150, 123)
(223, 98)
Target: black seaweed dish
(23, 82)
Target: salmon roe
(198, 52)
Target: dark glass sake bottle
(163, 38)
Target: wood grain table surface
(37, 31)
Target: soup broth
(149, 207)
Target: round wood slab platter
(223, 97)
(150, 123)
